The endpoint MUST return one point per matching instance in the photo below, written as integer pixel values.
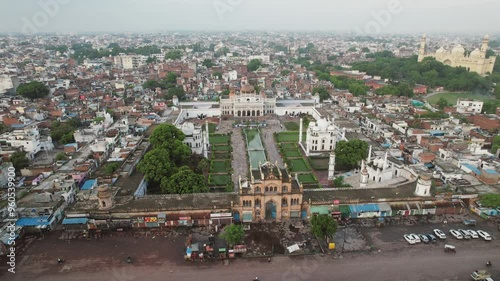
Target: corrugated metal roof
(33, 221)
(75, 220)
(364, 208)
(88, 185)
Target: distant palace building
(247, 103)
(476, 61)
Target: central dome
(247, 89)
(458, 50)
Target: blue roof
(364, 208)
(17, 125)
(88, 185)
(472, 168)
(71, 144)
(75, 220)
(33, 221)
(492, 172)
(436, 132)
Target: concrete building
(469, 106)
(476, 61)
(195, 137)
(28, 139)
(321, 136)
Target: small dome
(187, 128)
(475, 54)
(459, 49)
(247, 89)
(486, 37)
(323, 124)
(440, 50)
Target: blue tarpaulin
(88, 185)
(75, 221)
(33, 221)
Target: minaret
(421, 51)
(364, 175)
(331, 166)
(307, 142)
(300, 130)
(424, 184)
(385, 160)
(206, 141)
(484, 45)
(369, 155)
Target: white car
(484, 235)
(439, 234)
(465, 233)
(456, 234)
(409, 239)
(473, 233)
(415, 237)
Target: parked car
(415, 237)
(431, 238)
(423, 238)
(465, 234)
(484, 235)
(456, 234)
(473, 233)
(469, 222)
(409, 239)
(439, 234)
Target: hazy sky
(478, 16)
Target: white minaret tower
(364, 175)
(331, 166)
(424, 186)
(300, 130)
(421, 51)
(385, 160)
(307, 143)
(206, 141)
(369, 155)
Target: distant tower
(331, 166)
(206, 141)
(369, 155)
(421, 51)
(364, 175)
(484, 45)
(424, 185)
(175, 100)
(105, 197)
(300, 130)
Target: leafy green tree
(285, 72)
(350, 153)
(61, 156)
(208, 63)
(442, 103)
(358, 90)
(323, 93)
(19, 160)
(365, 50)
(254, 64)
(233, 234)
(323, 226)
(33, 90)
(150, 60)
(174, 55)
(490, 106)
(177, 91)
(495, 144)
(184, 181)
(490, 200)
(156, 165)
(339, 182)
(225, 92)
(152, 85)
(111, 168)
(63, 132)
(352, 49)
(217, 75)
(164, 134)
(171, 78)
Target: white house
(469, 106)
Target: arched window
(257, 202)
(267, 188)
(257, 189)
(284, 202)
(275, 189)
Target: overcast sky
(403, 16)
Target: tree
(165, 133)
(33, 90)
(233, 234)
(323, 93)
(442, 103)
(156, 165)
(254, 64)
(150, 60)
(183, 182)
(490, 200)
(365, 50)
(285, 72)
(173, 55)
(208, 63)
(357, 89)
(339, 182)
(177, 91)
(495, 144)
(19, 160)
(225, 92)
(171, 78)
(61, 156)
(490, 106)
(323, 226)
(350, 153)
(217, 75)
(111, 168)
(352, 49)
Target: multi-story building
(270, 194)
(28, 139)
(247, 103)
(321, 136)
(129, 61)
(194, 137)
(469, 106)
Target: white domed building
(476, 61)
(321, 136)
(196, 138)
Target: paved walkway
(273, 154)
(240, 156)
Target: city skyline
(364, 17)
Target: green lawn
(220, 166)
(288, 145)
(292, 126)
(307, 178)
(289, 137)
(221, 148)
(452, 97)
(219, 139)
(298, 165)
(211, 128)
(319, 164)
(219, 180)
(291, 153)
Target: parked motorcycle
(129, 260)
(488, 263)
(60, 261)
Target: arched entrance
(270, 210)
(236, 216)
